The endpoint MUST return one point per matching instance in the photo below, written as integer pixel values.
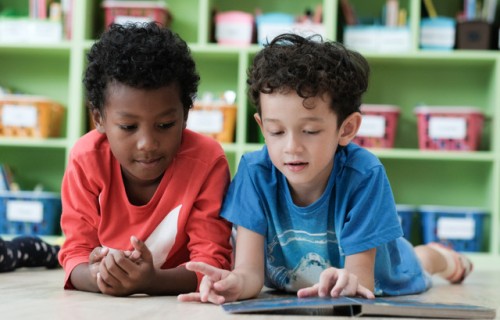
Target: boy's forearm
(172, 282)
(363, 266)
(252, 283)
(82, 279)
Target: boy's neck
(140, 194)
(304, 196)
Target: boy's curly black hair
(311, 67)
(144, 56)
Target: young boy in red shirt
(141, 194)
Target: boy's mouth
(148, 161)
(296, 166)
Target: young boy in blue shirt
(315, 213)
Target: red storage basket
(121, 12)
(449, 128)
(378, 127)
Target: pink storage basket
(135, 11)
(449, 128)
(378, 128)
(234, 28)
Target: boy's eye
(275, 133)
(311, 131)
(166, 125)
(127, 127)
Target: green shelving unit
(460, 77)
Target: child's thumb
(141, 247)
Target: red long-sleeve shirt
(180, 223)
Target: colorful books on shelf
(357, 307)
(5, 177)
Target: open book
(357, 307)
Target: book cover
(358, 307)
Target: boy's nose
(147, 141)
(293, 144)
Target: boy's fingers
(364, 292)
(351, 286)
(308, 292)
(100, 282)
(141, 250)
(327, 280)
(189, 297)
(215, 298)
(224, 284)
(98, 253)
(113, 266)
(340, 283)
(135, 255)
(195, 297)
(204, 268)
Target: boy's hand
(133, 255)
(217, 286)
(336, 282)
(95, 258)
(121, 276)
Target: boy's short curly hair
(311, 67)
(144, 56)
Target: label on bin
(447, 128)
(19, 116)
(25, 211)
(233, 31)
(130, 19)
(206, 121)
(372, 126)
(456, 228)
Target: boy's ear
(97, 118)
(349, 128)
(257, 118)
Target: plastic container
(449, 128)
(406, 214)
(234, 28)
(374, 38)
(122, 12)
(216, 121)
(378, 128)
(30, 116)
(460, 228)
(30, 212)
(26, 30)
(437, 33)
(269, 25)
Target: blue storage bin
(376, 38)
(30, 213)
(437, 33)
(269, 25)
(406, 213)
(460, 228)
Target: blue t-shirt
(355, 213)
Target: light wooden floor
(38, 294)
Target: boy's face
(302, 141)
(144, 129)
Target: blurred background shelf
(406, 79)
